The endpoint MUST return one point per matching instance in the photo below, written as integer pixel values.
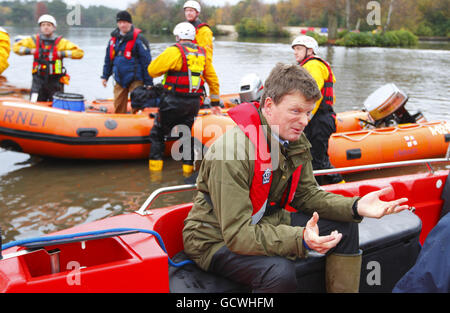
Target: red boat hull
(137, 263)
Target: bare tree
(388, 20)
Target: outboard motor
(250, 88)
(386, 106)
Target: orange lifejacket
(327, 90)
(188, 81)
(245, 115)
(46, 60)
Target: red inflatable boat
(131, 252)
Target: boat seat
(390, 245)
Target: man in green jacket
(238, 226)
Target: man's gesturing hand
(372, 206)
(318, 243)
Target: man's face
(124, 26)
(190, 14)
(47, 28)
(289, 117)
(301, 52)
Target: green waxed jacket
(226, 175)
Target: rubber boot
(342, 272)
(155, 165)
(188, 170)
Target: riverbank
(396, 38)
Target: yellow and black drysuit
(48, 71)
(186, 67)
(203, 36)
(323, 122)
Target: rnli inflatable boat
(45, 130)
(142, 251)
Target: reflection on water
(38, 196)
(45, 195)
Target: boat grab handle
(163, 191)
(87, 132)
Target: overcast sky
(123, 4)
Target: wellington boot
(155, 165)
(342, 272)
(187, 170)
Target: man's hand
(104, 82)
(318, 243)
(371, 206)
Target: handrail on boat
(190, 187)
(163, 191)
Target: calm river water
(38, 196)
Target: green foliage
(395, 38)
(435, 17)
(252, 27)
(321, 39)
(424, 30)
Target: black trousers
(318, 132)
(173, 111)
(275, 273)
(46, 88)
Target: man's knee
(349, 243)
(278, 276)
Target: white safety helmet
(250, 88)
(307, 41)
(47, 18)
(192, 4)
(185, 30)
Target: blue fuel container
(68, 101)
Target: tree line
(254, 17)
(421, 17)
(26, 13)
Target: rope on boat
(98, 232)
(378, 132)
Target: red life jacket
(246, 114)
(188, 81)
(46, 57)
(128, 48)
(327, 90)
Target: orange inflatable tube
(380, 145)
(390, 144)
(41, 130)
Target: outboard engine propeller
(386, 106)
(250, 88)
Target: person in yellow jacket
(186, 68)
(204, 34)
(323, 119)
(5, 48)
(49, 74)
